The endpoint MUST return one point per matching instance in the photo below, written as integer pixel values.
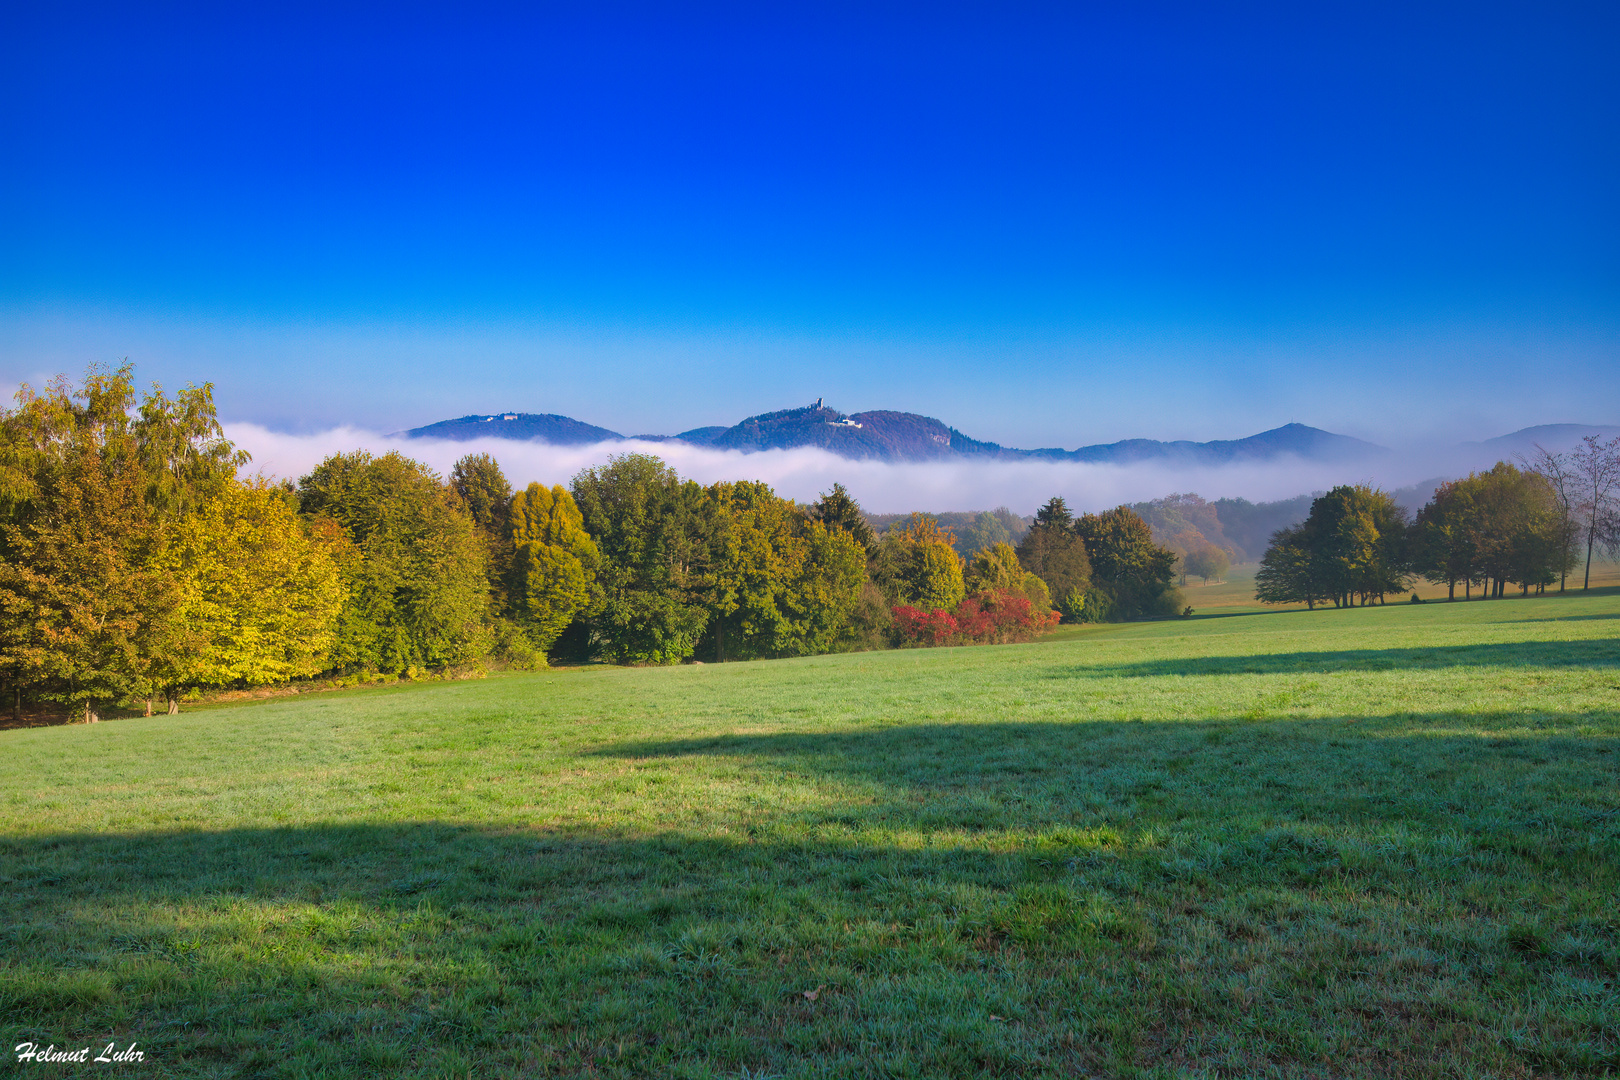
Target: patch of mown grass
(1381, 842)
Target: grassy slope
(1340, 843)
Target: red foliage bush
(914, 627)
(987, 617)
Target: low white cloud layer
(880, 487)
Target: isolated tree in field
(1133, 574)
(654, 532)
(1597, 476)
(1053, 552)
(1207, 561)
(554, 562)
(418, 592)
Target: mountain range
(900, 436)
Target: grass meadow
(1373, 842)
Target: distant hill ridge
(900, 436)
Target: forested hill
(899, 436)
(525, 427)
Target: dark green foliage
(478, 481)
(1285, 575)
(1133, 573)
(1492, 528)
(418, 590)
(836, 509)
(1353, 546)
(654, 532)
(1053, 552)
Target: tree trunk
(1451, 589)
(148, 707)
(1591, 535)
(174, 707)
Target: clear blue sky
(1047, 225)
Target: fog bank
(881, 487)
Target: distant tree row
(1528, 527)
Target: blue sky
(1047, 225)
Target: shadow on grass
(980, 899)
(1602, 653)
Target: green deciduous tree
(418, 593)
(1286, 574)
(654, 532)
(780, 583)
(1352, 546)
(1133, 574)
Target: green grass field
(1379, 842)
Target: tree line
(138, 564)
(1528, 526)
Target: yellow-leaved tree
(261, 594)
(997, 569)
(554, 562)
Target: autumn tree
(917, 566)
(1206, 561)
(260, 592)
(92, 488)
(997, 569)
(554, 563)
